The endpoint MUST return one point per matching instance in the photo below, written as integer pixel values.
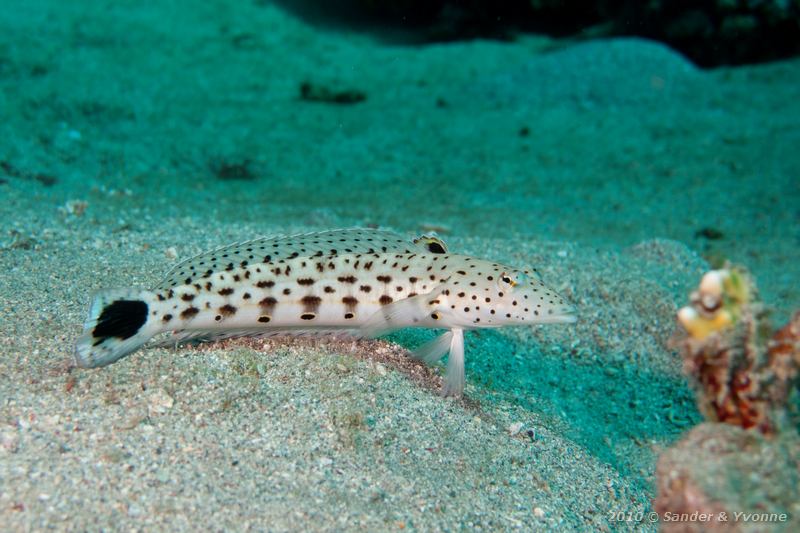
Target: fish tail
(118, 324)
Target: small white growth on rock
(712, 283)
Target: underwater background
(612, 148)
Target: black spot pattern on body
(351, 302)
(306, 281)
(311, 303)
(265, 284)
(225, 292)
(189, 312)
(385, 299)
(227, 310)
(268, 304)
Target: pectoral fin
(400, 314)
(432, 351)
(454, 379)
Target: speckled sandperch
(358, 282)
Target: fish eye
(509, 281)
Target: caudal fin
(117, 325)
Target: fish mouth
(558, 319)
(564, 315)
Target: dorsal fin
(270, 249)
(432, 243)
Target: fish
(347, 282)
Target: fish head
(511, 298)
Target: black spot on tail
(122, 319)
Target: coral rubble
(740, 471)
(720, 477)
(742, 374)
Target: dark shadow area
(444, 20)
(709, 32)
